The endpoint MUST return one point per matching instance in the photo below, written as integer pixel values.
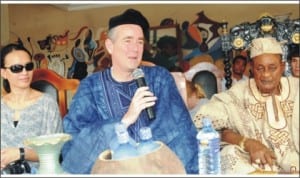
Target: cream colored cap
(267, 45)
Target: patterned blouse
(40, 118)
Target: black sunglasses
(19, 68)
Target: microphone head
(137, 73)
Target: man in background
(294, 61)
(239, 64)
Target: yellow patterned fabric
(244, 110)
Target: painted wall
(39, 20)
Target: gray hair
(111, 34)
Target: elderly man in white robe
(258, 118)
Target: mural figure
(89, 44)
(202, 37)
(78, 68)
(101, 58)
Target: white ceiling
(74, 7)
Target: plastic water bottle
(147, 144)
(208, 149)
(124, 150)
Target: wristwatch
(242, 143)
(22, 153)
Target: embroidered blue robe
(100, 102)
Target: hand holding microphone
(138, 75)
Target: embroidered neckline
(285, 90)
(274, 113)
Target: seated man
(112, 95)
(258, 118)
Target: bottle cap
(120, 127)
(123, 137)
(206, 121)
(145, 133)
(121, 132)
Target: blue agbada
(101, 102)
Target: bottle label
(209, 156)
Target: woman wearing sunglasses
(25, 112)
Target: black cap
(131, 16)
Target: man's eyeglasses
(19, 68)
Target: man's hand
(260, 155)
(142, 99)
